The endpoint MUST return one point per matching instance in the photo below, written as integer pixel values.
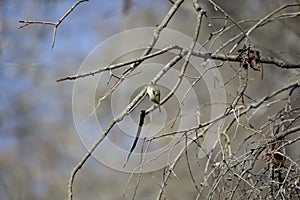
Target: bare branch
(240, 165)
(55, 24)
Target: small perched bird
(154, 95)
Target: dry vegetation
(257, 151)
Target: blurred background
(39, 145)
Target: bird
(154, 94)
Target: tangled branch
(256, 165)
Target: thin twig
(54, 24)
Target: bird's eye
(153, 92)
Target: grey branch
(54, 24)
